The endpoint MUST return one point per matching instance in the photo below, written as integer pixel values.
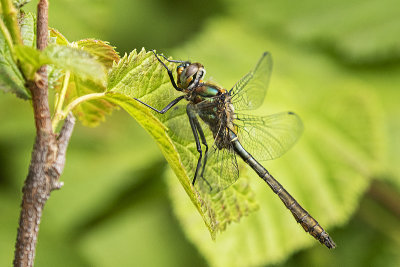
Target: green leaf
(141, 75)
(104, 53)
(88, 74)
(11, 79)
(55, 73)
(20, 3)
(57, 38)
(327, 171)
(360, 32)
(30, 60)
(78, 61)
(91, 113)
(385, 84)
(27, 24)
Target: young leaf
(55, 73)
(11, 79)
(30, 60)
(78, 61)
(91, 113)
(20, 3)
(104, 53)
(27, 23)
(57, 38)
(88, 74)
(141, 76)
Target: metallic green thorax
(208, 90)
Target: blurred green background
(115, 208)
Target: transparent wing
(221, 168)
(249, 92)
(178, 125)
(220, 172)
(268, 137)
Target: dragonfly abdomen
(308, 223)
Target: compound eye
(179, 70)
(192, 70)
(181, 67)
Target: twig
(62, 142)
(48, 156)
(43, 26)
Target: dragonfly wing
(268, 137)
(221, 170)
(249, 92)
(178, 125)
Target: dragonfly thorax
(218, 113)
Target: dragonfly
(268, 137)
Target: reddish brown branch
(48, 156)
(43, 26)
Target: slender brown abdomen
(309, 224)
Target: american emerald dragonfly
(267, 137)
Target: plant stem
(48, 156)
(10, 18)
(42, 30)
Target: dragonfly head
(190, 75)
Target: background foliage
(336, 64)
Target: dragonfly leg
(172, 60)
(167, 107)
(171, 77)
(204, 141)
(192, 120)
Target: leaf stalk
(60, 101)
(80, 100)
